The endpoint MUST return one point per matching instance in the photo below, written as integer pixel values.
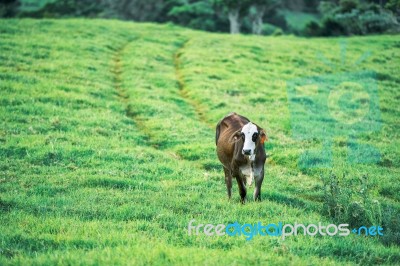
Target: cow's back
(223, 137)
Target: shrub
(348, 5)
(326, 7)
(276, 18)
(269, 29)
(352, 18)
(331, 27)
(350, 201)
(278, 32)
(350, 22)
(391, 226)
(312, 29)
(373, 22)
(67, 8)
(197, 15)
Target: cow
(240, 149)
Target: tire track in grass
(123, 95)
(183, 92)
(142, 123)
(125, 99)
(117, 70)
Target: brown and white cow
(240, 148)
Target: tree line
(327, 18)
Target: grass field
(107, 146)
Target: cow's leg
(257, 191)
(228, 182)
(242, 189)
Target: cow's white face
(250, 134)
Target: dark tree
(257, 11)
(8, 8)
(235, 10)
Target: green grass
(107, 144)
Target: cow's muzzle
(247, 152)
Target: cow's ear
(263, 137)
(236, 136)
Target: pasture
(107, 146)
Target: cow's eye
(242, 135)
(254, 138)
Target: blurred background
(261, 17)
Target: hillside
(108, 151)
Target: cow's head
(251, 135)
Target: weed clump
(350, 201)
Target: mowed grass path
(107, 144)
